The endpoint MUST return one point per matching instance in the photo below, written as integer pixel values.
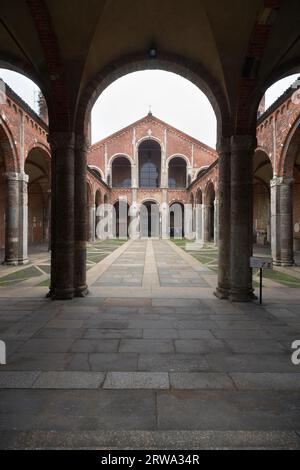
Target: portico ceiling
(233, 40)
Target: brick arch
(197, 192)
(90, 198)
(195, 72)
(8, 148)
(38, 145)
(289, 151)
(178, 155)
(148, 137)
(98, 197)
(209, 188)
(118, 155)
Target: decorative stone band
(281, 180)
(22, 177)
(62, 140)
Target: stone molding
(22, 177)
(281, 180)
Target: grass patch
(19, 276)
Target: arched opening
(209, 213)
(37, 167)
(121, 172)
(176, 211)
(177, 173)
(149, 155)
(90, 216)
(198, 198)
(98, 202)
(122, 219)
(262, 176)
(149, 220)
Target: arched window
(177, 173)
(121, 173)
(149, 164)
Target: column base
(81, 291)
(62, 294)
(241, 296)
(283, 263)
(15, 262)
(221, 293)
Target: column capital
(11, 176)
(223, 145)
(281, 180)
(240, 143)
(59, 140)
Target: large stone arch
(192, 71)
(290, 148)
(8, 148)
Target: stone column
(62, 215)
(16, 216)
(206, 222)
(91, 222)
(199, 223)
(282, 221)
(80, 224)
(242, 149)
(223, 149)
(216, 221)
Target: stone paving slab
(228, 410)
(136, 380)
(266, 381)
(69, 380)
(201, 380)
(18, 379)
(150, 440)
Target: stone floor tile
(137, 380)
(69, 380)
(200, 380)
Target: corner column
(62, 215)
(16, 231)
(242, 149)
(80, 227)
(223, 288)
(282, 221)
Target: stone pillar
(223, 149)
(206, 222)
(199, 223)
(282, 221)
(91, 229)
(80, 224)
(242, 149)
(62, 215)
(216, 221)
(16, 216)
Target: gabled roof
(151, 118)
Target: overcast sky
(171, 97)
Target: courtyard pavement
(150, 359)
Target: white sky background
(172, 98)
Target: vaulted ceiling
(242, 45)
